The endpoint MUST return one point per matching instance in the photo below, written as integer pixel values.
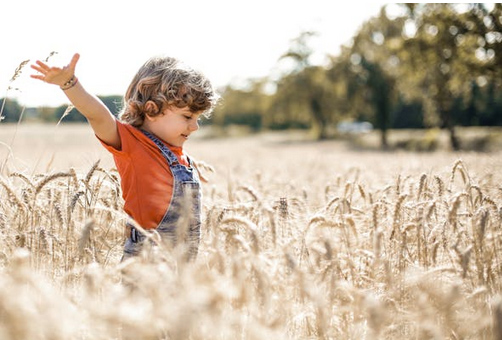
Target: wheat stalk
(12, 195)
(48, 179)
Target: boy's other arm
(99, 116)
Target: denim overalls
(182, 220)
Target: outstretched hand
(55, 75)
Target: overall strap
(171, 158)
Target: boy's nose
(194, 125)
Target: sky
(229, 41)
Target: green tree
(305, 94)
(485, 26)
(437, 61)
(484, 59)
(243, 106)
(11, 110)
(373, 67)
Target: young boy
(160, 184)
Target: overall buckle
(134, 235)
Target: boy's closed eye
(189, 117)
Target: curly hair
(167, 82)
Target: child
(160, 184)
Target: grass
(304, 240)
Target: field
(301, 240)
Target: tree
(243, 106)
(11, 110)
(484, 60)
(373, 66)
(437, 61)
(305, 94)
(486, 26)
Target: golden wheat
(386, 253)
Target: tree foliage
(242, 106)
(433, 65)
(306, 94)
(11, 110)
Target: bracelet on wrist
(70, 83)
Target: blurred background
(411, 76)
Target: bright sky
(228, 40)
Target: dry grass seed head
(12, 195)
(66, 113)
(202, 167)
(90, 173)
(460, 167)
(397, 211)
(491, 203)
(479, 197)
(251, 191)
(59, 214)
(440, 185)
(23, 177)
(422, 185)
(362, 192)
(332, 202)
(74, 201)
(432, 209)
(50, 56)
(238, 220)
(18, 70)
(284, 208)
(374, 215)
(317, 219)
(48, 179)
(74, 178)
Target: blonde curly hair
(167, 82)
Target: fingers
(73, 62)
(39, 68)
(54, 74)
(41, 72)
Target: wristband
(70, 83)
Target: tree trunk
(448, 124)
(383, 139)
(320, 121)
(454, 141)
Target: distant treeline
(432, 65)
(13, 110)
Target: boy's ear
(151, 109)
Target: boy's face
(174, 126)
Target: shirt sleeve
(122, 131)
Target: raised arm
(101, 119)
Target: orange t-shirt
(146, 179)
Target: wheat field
(301, 240)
